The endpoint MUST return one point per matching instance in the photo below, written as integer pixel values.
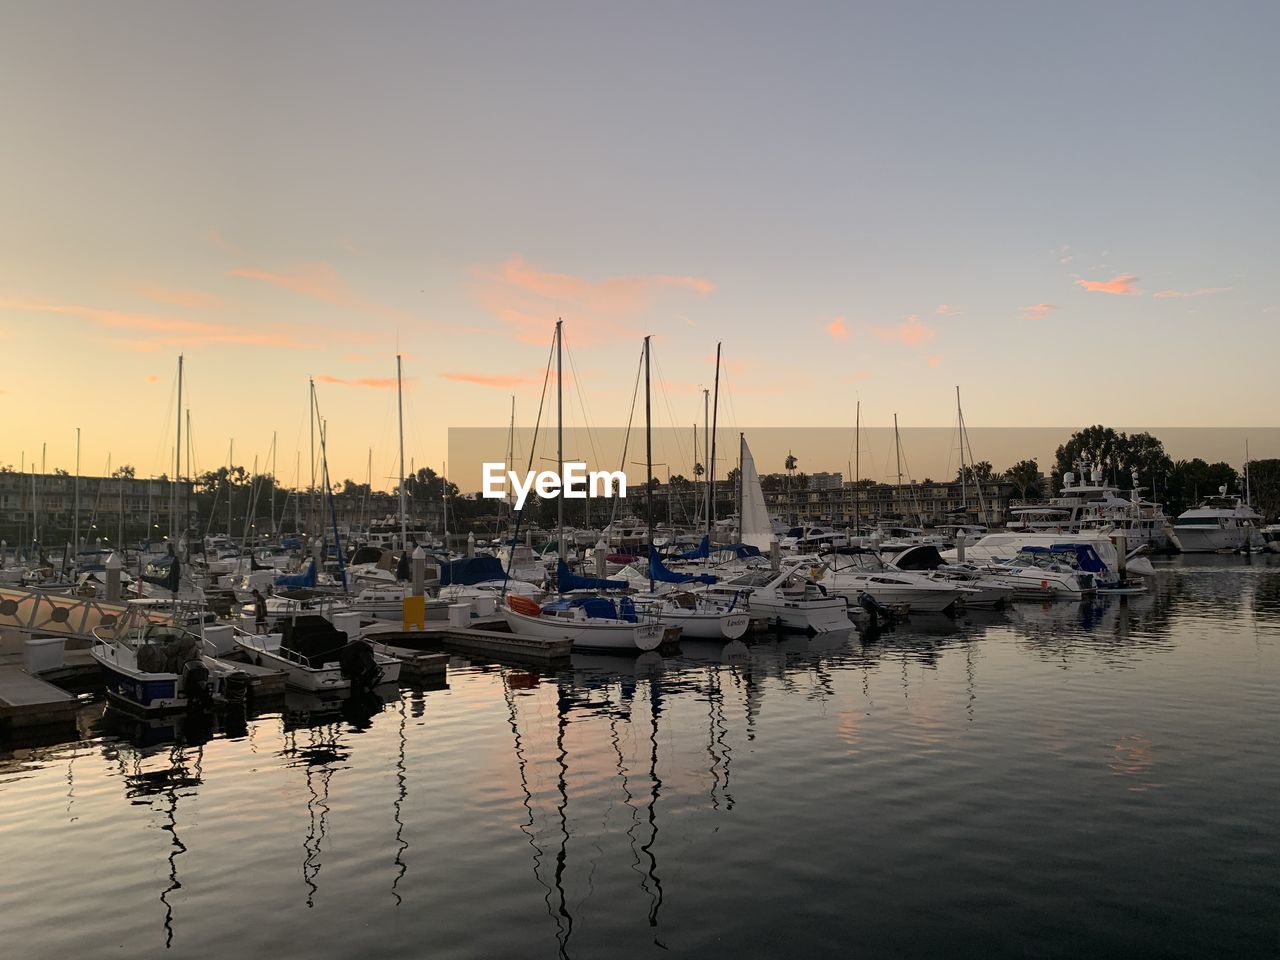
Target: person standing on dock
(260, 612)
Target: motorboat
(854, 570)
(1066, 571)
(1004, 545)
(163, 667)
(924, 558)
(1218, 523)
(789, 598)
(315, 655)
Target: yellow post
(415, 613)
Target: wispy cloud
(1037, 311)
(1201, 292)
(947, 310)
(152, 378)
(190, 299)
(375, 383)
(910, 331)
(837, 329)
(529, 299)
(934, 359)
(1064, 254)
(490, 379)
(162, 331)
(1121, 285)
(323, 282)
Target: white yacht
(924, 558)
(853, 571)
(811, 539)
(1059, 572)
(789, 598)
(1219, 523)
(1004, 545)
(1089, 503)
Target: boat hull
(616, 636)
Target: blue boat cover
(567, 580)
(403, 569)
(1085, 556)
(661, 574)
(701, 552)
(740, 550)
(602, 607)
(296, 581)
(471, 570)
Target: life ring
(522, 604)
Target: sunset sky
(1069, 210)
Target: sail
(755, 530)
(658, 572)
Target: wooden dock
(27, 701)
(419, 667)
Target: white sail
(755, 528)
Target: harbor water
(1058, 780)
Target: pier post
(113, 567)
(602, 562)
(775, 555)
(1122, 559)
(960, 541)
(419, 570)
(471, 544)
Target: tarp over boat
(658, 572)
(471, 570)
(567, 580)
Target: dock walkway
(27, 701)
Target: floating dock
(27, 701)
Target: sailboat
(583, 613)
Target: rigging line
(533, 447)
(577, 386)
(158, 455)
(671, 419)
(626, 437)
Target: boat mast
(404, 535)
(511, 453)
(648, 456)
(560, 436)
(711, 469)
(177, 471)
(706, 440)
(75, 531)
(231, 456)
(897, 447)
(964, 488)
(857, 472)
(311, 520)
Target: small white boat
(315, 655)
(592, 622)
(853, 571)
(699, 616)
(789, 598)
(158, 668)
(1049, 573)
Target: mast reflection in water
(1065, 779)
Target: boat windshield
(855, 563)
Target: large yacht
(1089, 503)
(1219, 523)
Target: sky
(1067, 210)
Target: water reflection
(604, 803)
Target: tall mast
(897, 447)
(75, 531)
(511, 453)
(560, 435)
(177, 470)
(274, 456)
(711, 468)
(964, 488)
(648, 454)
(404, 521)
(231, 456)
(857, 472)
(312, 414)
(706, 440)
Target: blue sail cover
(297, 581)
(169, 579)
(403, 569)
(740, 550)
(661, 574)
(567, 580)
(471, 570)
(700, 552)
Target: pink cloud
(934, 359)
(152, 378)
(1121, 285)
(376, 383)
(947, 310)
(910, 332)
(490, 379)
(321, 281)
(191, 299)
(529, 300)
(165, 330)
(1201, 292)
(1037, 311)
(837, 329)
